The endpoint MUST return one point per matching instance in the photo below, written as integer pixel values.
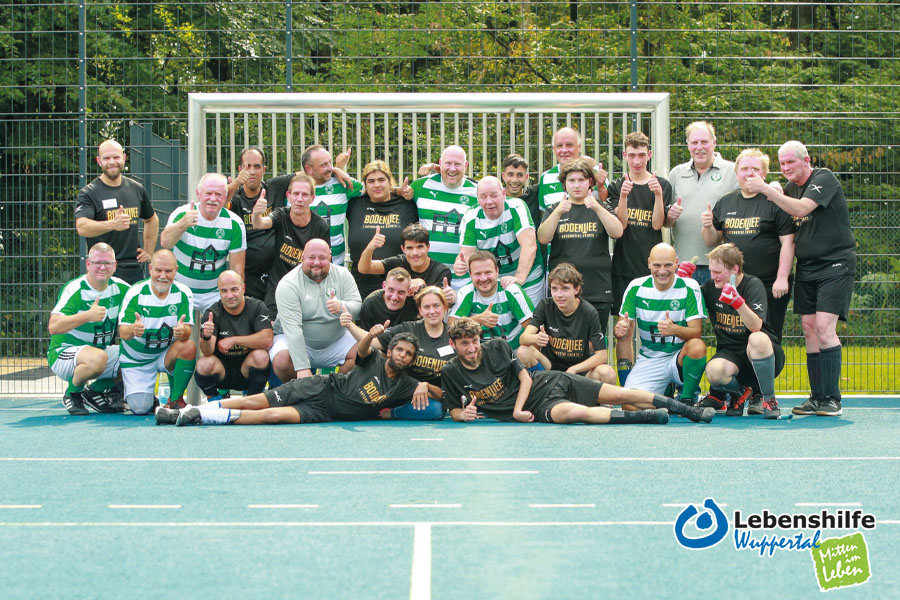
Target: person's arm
(175, 229)
(208, 337)
(594, 360)
(290, 316)
(60, 323)
(610, 223)
(527, 254)
(730, 296)
(622, 202)
(258, 217)
(151, 236)
(366, 264)
(711, 235)
(693, 328)
(532, 336)
(349, 296)
(523, 416)
(365, 344)
(261, 340)
(355, 330)
(659, 212)
(796, 207)
(547, 229)
(236, 262)
(785, 264)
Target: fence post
(634, 72)
(289, 46)
(82, 115)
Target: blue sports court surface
(113, 506)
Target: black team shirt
(570, 337)
(633, 248)
(433, 274)
(289, 241)
(360, 394)
(727, 324)
(374, 310)
(99, 202)
(254, 318)
(824, 244)
(754, 226)
(433, 353)
(495, 383)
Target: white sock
(219, 416)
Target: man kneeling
(374, 384)
(489, 381)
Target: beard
(472, 364)
(395, 366)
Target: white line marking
(693, 459)
(152, 506)
(420, 579)
(827, 504)
(425, 505)
(683, 505)
(282, 506)
(35, 409)
(422, 472)
(20, 506)
(426, 439)
(270, 524)
(561, 505)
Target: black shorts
(234, 379)
(619, 285)
(555, 387)
(746, 375)
(309, 396)
(831, 295)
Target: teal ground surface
(365, 487)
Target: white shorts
(654, 374)
(142, 380)
(64, 365)
(326, 358)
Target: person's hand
(138, 327)
(242, 177)
(261, 205)
(756, 184)
(706, 217)
(776, 185)
(686, 269)
(191, 216)
(225, 344)
(470, 410)
(343, 159)
(406, 190)
(121, 221)
(378, 239)
(602, 175)
(621, 328)
(181, 331)
(626, 188)
(142, 255)
(591, 203)
(420, 396)
(666, 326)
(460, 267)
(96, 312)
(346, 318)
(342, 177)
(780, 287)
(731, 297)
(542, 339)
(428, 169)
(676, 209)
(333, 305)
(523, 416)
(488, 318)
(655, 186)
(449, 294)
(415, 286)
(564, 205)
(507, 281)
(379, 328)
(208, 328)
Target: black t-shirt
(289, 241)
(254, 318)
(570, 337)
(633, 248)
(531, 197)
(495, 383)
(374, 310)
(581, 239)
(363, 216)
(727, 324)
(433, 353)
(261, 248)
(754, 226)
(99, 202)
(433, 274)
(360, 394)
(824, 244)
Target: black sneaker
(74, 403)
(115, 396)
(166, 416)
(710, 401)
(697, 414)
(188, 416)
(98, 401)
(755, 405)
(659, 416)
(736, 405)
(830, 407)
(770, 409)
(809, 406)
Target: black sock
(830, 360)
(733, 387)
(814, 373)
(208, 383)
(622, 417)
(765, 375)
(256, 380)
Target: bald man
(668, 311)
(235, 337)
(108, 208)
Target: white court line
(20, 506)
(693, 459)
(282, 506)
(683, 505)
(34, 409)
(272, 524)
(561, 506)
(425, 505)
(426, 439)
(150, 506)
(422, 472)
(827, 504)
(420, 579)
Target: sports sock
(623, 366)
(733, 387)
(101, 385)
(218, 416)
(624, 417)
(830, 359)
(692, 370)
(74, 389)
(537, 367)
(181, 376)
(208, 383)
(814, 372)
(765, 375)
(256, 380)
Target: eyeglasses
(104, 264)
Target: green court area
(112, 506)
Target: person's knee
(284, 366)
(93, 360)
(526, 355)
(274, 417)
(140, 403)
(759, 345)
(207, 365)
(717, 371)
(257, 359)
(185, 350)
(603, 373)
(695, 348)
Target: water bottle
(162, 389)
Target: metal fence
(73, 73)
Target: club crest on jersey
(504, 228)
(465, 200)
(220, 234)
(674, 305)
(173, 310)
(716, 177)
(329, 189)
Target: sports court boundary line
(448, 459)
(311, 524)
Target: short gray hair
(796, 147)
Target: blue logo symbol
(704, 522)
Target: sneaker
(659, 416)
(710, 401)
(830, 407)
(189, 416)
(74, 403)
(176, 404)
(115, 396)
(809, 406)
(697, 414)
(770, 409)
(755, 405)
(98, 401)
(166, 416)
(736, 405)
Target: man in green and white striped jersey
(668, 311)
(442, 200)
(82, 331)
(501, 312)
(155, 327)
(206, 238)
(504, 227)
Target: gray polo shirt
(696, 191)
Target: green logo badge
(220, 233)
(716, 177)
(841, 562)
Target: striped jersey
(331, 202)
(441, 210)
(648, 306)
(550, 190)
(77, 296)
(511, 305)
(159, 315)
(202, 252)
(500, 237)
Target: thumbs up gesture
(138, 328)
(343, 159)
(666, 326)
(621, 328)
(601, 174)
(488, 318)
(460, 267)
(470, 410)
(261, 205)
(676, 209)
(333, 305)
(378, 239)
(379, 328)
(346, 318)
(208, 328)
(449, 294)
(96, 312)
(706, 217)
(627, 186)
(565, 205)
(191, 216)
(406, 190)
(122, 221)
(731, 297)
(654, 185)
(756, 184)
(181, 331)
(542, 338)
